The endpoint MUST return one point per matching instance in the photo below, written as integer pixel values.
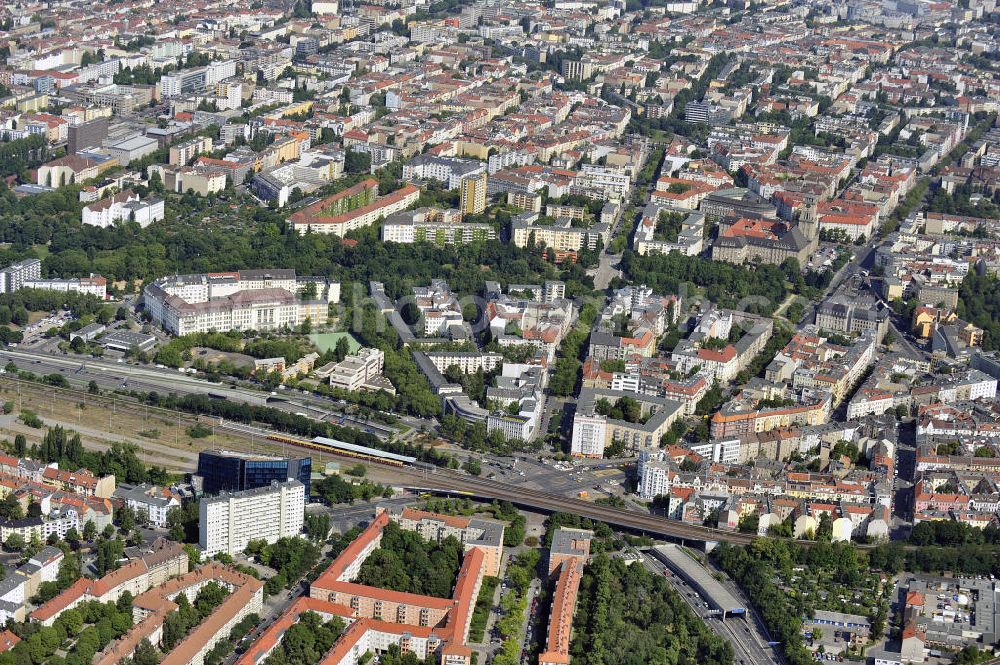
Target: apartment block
(435, 225)
(22, 583)
(123, 207)
(380, 616)
(473, 194)
(589, 435)
(466, 362)
(245, 596)
(13, 277)
(353, 208)
(362, 371)
(229, 521)
(182, 153)
(528, 201)
(94, 285)
(451, 171)
(166, 559)
(199, 179)
(568, 554)
(362, 635)
(153, 503)
(485, 535)
(561, 235)
(592, 431)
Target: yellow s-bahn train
(332, 446)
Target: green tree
(824, 529)
(126, 519)
(14, 543)
(109, 555)
(342, 349)
(357, 162)
(145, 654)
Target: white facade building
(448, 170)
(123, 207)
(15, 275)
(358, 371)
(654, 474)
(244, 300)
(468, 362)
(94, 285)
(589, 433)
(513, 427)
(228, 522)
(152, 502)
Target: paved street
(344, 517)
(596, 477)
(747, 639)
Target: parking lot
(34, 333)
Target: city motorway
(748, 641)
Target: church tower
(808, 223)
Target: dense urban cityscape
(471, 332)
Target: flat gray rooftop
(698, 577)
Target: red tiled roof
(8, 640)
(271, 637)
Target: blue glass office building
(228, 471)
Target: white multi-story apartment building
(449, 170)
(15, 275)
(654, 474)
(358, 371)
(589, 433)
(227, 522)
(198, 79)
(441, 227)
(182, 153)
(125, 206)
(467, 362)
(610, 183)
(522, 385)
(152, 502)
(513, 427)
(94, 285)
(23, 583)
(974, 385)
(561, 235)
(439, 308)
(57, 522)
(315, 219)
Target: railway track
(441, 480)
